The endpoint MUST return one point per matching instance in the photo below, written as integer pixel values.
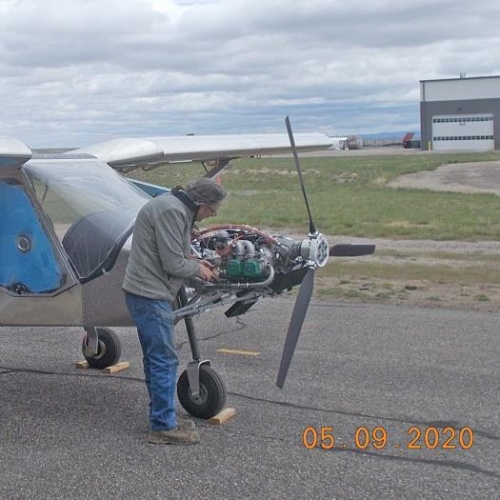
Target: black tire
(212, 397)
(109, 349)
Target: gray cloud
(80, 71)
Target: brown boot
(186, 424)
(174, 436)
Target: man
(160, 260)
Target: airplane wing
(128, 154)
(13, 153)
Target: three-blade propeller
(306, 287)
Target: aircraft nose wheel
(109, 349)
(212, 395)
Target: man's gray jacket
(160, 260)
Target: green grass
(442, 273)
(482, 298)
(439, 255)
(348, 196)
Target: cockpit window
(92, 208)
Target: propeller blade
(298, 316)
(312, 227)
(348, 250)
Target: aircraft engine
(246, 255)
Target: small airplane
(66, 231)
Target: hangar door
(463, 132)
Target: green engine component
(252, 269)
(234, 267)
(248, 268)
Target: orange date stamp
(378, 438)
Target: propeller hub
(315, 249)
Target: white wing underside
(124, 154)
(130, 153)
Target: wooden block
(222, 417)
(82, 365)
(117, 368)
(238, 351)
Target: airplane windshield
(90, 206)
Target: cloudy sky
(76, 72)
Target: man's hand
(208, 271)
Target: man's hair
(206, 191)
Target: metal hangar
(460, 114)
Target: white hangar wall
(460, 114)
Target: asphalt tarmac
(419, 384)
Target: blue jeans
(155, 325)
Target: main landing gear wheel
(211, 398)
(109, 349)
